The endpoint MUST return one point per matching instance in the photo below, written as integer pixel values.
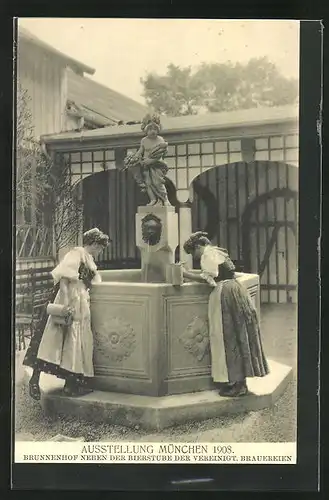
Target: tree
(64, 205)
(32, 165)
(173, 94)
(45, 194)
(219, 87)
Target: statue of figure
(147, 165)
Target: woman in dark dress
(235, 341)
(67, 351)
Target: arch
(110, 201)
(223, 193)
(209, 169)
(171, 176)
(285, 193)
(269, 244)
(171, 188)
(209, 199)
(172, 193)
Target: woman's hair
(95, 236)
(196, 239)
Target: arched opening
(110, 202)
(269, 244)
(221, 199)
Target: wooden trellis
(33, 241)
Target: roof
(101, 104)
(223, 120)
(90, 117)
(26, 36)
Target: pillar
(185, 222)
(248, 149)
(80, 213)
(185, 230)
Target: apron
(219, 371)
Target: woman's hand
(68, 310)
(186, 272)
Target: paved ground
(277, 423)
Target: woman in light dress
(235, 340)
(67, 351)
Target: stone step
(157, 413)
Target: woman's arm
(194, 276)
(199, 276)
(64, 288)
(96, 279)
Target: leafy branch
(215, 87)
(44, 187)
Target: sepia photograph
(156, 282)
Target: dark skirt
(242, 339)
(31, 356)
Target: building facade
(42, 71)
(234, 175)
(60, 98)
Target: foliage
(219, 87)
(173, 94)
(32, 165)
(44, 191)
(65, 207)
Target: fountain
(152, 355)
(151, 337)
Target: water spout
(147, 262)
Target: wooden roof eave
(84, 140)
(25, 37)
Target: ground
(278, 423)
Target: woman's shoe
(75, 390)
(83, 390)
(222, 385)
(236, 390)
(69, 388)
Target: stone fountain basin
(135, 276)
(122, 275)
(152, 338)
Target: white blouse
(212, 257)
(69, 266)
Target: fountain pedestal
(157, 240)
(151, 338)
